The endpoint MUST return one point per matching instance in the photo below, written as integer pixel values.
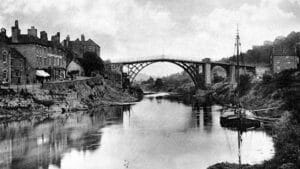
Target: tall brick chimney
(3, 36)
(67, 41)
(82, 38)
(56, 38)
(44, 36)
(32, 31)
(3, 32)
(15, 31)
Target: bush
(267, 78)
(245, 84)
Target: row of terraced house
(26, 57)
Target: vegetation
(179, 83)
(91, 63)
(281, 90)
(261, 54)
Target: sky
(130, 29)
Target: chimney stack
(82, 38)
(3, 32)
(15, 31)
(67, 41)
(56, 38)
(32, 31)
(44, 36)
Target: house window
(5, 75)
(5, 55)
(18, 73)
(52, 61)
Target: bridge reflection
(202, 117)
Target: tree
(158, 83)
(92, 63)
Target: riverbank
(59, 97)
(279, 98)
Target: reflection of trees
(38, 145)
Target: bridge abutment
(207, 74)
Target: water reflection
(151, 134)
(36, 145)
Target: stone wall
(281, 63)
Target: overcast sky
(140, 28)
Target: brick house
(282, 59)
(40, 54)
(13, 66)
(79, 47)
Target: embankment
(58, 97)
(280, 97)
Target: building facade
(13, 66)
(40, 53)
(283, 60)
(79, 47)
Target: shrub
(267, 78)
(245, 84)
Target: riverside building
(41, 54)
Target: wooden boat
(231, 118)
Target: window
(52, 61)
(5, 75)
(18, 73)
(4, 54)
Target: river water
(154, 133)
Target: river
(154, 133)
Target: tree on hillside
(92, 63)
(158, 83)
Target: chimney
(16, 23)
(32, 31)
(66, 42)
(15, 31)
(44, 36)
(3, 36)
(3, 32)
(56, 38)
(82, 38)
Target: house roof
(73, 66)
(89, 42)
(27, 39)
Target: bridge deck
(178, 60)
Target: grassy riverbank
(281, 92)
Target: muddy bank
(60, 97)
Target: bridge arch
(134, 69)
(222, 71)
(201, 78)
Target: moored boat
(231, 118)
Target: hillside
(261, 54)
(281, 93)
